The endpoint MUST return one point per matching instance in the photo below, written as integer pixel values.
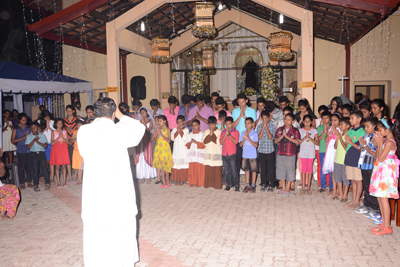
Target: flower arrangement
(295, 108)
(249, 91)
(241, 83)
(196, 82)
(269, 83)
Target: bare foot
(3, 216)
(192, 185)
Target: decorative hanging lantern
(279, 43)
(204, 25)
(208, 59)
(160, 53)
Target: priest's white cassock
(108, 194)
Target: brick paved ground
(182, 226)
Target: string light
(142, 26)
(220, 7)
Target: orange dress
(76, 156)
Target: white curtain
(18, 105)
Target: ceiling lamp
(204, 25)
(142, 27)
(220, 7)
(280, 18)
(208, 59)
(279, 43)
(160, 53)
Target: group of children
(355, 146)
(48, 146)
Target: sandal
(302, 192)
(157, 182)
(343, 200)
(309, 193)
(321, 190)
(384, 231)
(335, 198)
(348, 204)
(373, 229)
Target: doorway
(372, 91)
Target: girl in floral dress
(162, 159)
(9, 196)
(384, 180)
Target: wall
(86, 65)
(360, 68)
(329, 64)
(141, 66)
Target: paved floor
(182, 226)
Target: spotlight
(280, 18)
(189, 54)
(220, 7)
(142, 27)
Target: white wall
(368, 50)
(329, 64)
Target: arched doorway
(241, 58)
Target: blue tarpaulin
(15, 78)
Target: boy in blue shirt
(249, 142)
(239, 115)
(366, 164)
(36, 143)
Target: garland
(280, 35)
(280, 56)
(160, 59)
(203, 6)
(206, 31)
(160, 41)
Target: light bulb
(220, 7)
(280, 18)
(142, 27)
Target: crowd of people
(45, 145)
(201, 143)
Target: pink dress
(59, 152)
(384, 179)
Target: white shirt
(108, 189)
(48, 132)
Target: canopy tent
(15, 78)
(19, 79)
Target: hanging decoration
(204, 25)
(208, 59)
(269, 84)
(196, 82)
(160, 47)
(279, 43)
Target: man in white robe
(108, 194)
